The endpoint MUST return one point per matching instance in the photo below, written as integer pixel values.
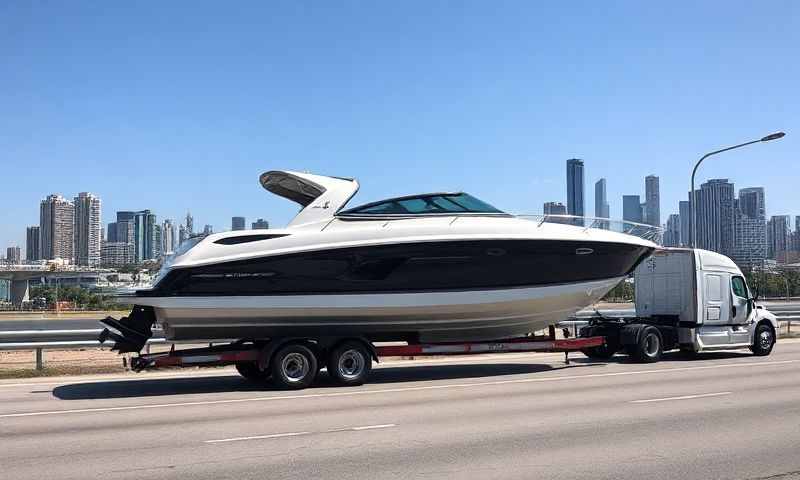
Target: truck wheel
(763, 340)
(649, 347)
(250, 371)
(294, 367)
(602, 352)
(350, 364)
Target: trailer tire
(350, 363)
(294, 367)
(251, 372)
(763, 340)
(649, 347)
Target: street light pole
(693, 194)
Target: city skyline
(146, 125)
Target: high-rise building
(575, 203)
(631, 208)
(685, 212)
(56, 227)
(714, 215)
(116, 254)
(751, 202)
(87, 230)
(237, 223)
(601, 206)
(672, 234)
(146, 241)
(168, 239)
(555, 208)
(750, 228)
(111, 235)
(189, 224)
(260, 224)
(32, 244)
(13, 255)
(156, 241)
(182, 236)
(652, 201)
(208, 230)
(778, 236)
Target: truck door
(717, 299)
(740, 307)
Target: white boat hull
(425, 316)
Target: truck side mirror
(755, 297)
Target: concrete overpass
(20, 277)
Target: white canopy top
(320, 196)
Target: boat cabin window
(438, 203)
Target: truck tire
(603, 352)
(350, 363)
(763, 340)
(251, 372)
(649, 347)
(294, 366)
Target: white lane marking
(373, 427)
(350, 393)
(684, 397)
(257, 437)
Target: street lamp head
(773, 136)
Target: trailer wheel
(294, 366)
(649, 347)
(763, 340)
(350, 363)
(251, 372)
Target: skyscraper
(32, 245)
(555, 208)
(672, 234)
(714, 215)
(208, 230)
(751, 202)
(601, 207)
(13, 255)
(56, 226)
(146, 242)
(168, 239)
(260, 223)
(189, 224)
(575, 203)
(182, 236)
(631, 208)
(685, 212)
(778, 236)
(652, 200)
(87, 229)
(750, 228)
(237, 223)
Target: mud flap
(129, 333)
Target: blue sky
(181, 105)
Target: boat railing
(641, 230)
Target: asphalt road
(725, 415)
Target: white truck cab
(708, 295)
(691, 299)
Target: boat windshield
(435, 203)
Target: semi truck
(687, 299)
(693, 300)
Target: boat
(436, 267)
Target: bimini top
(425, 204)
(319, 196)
